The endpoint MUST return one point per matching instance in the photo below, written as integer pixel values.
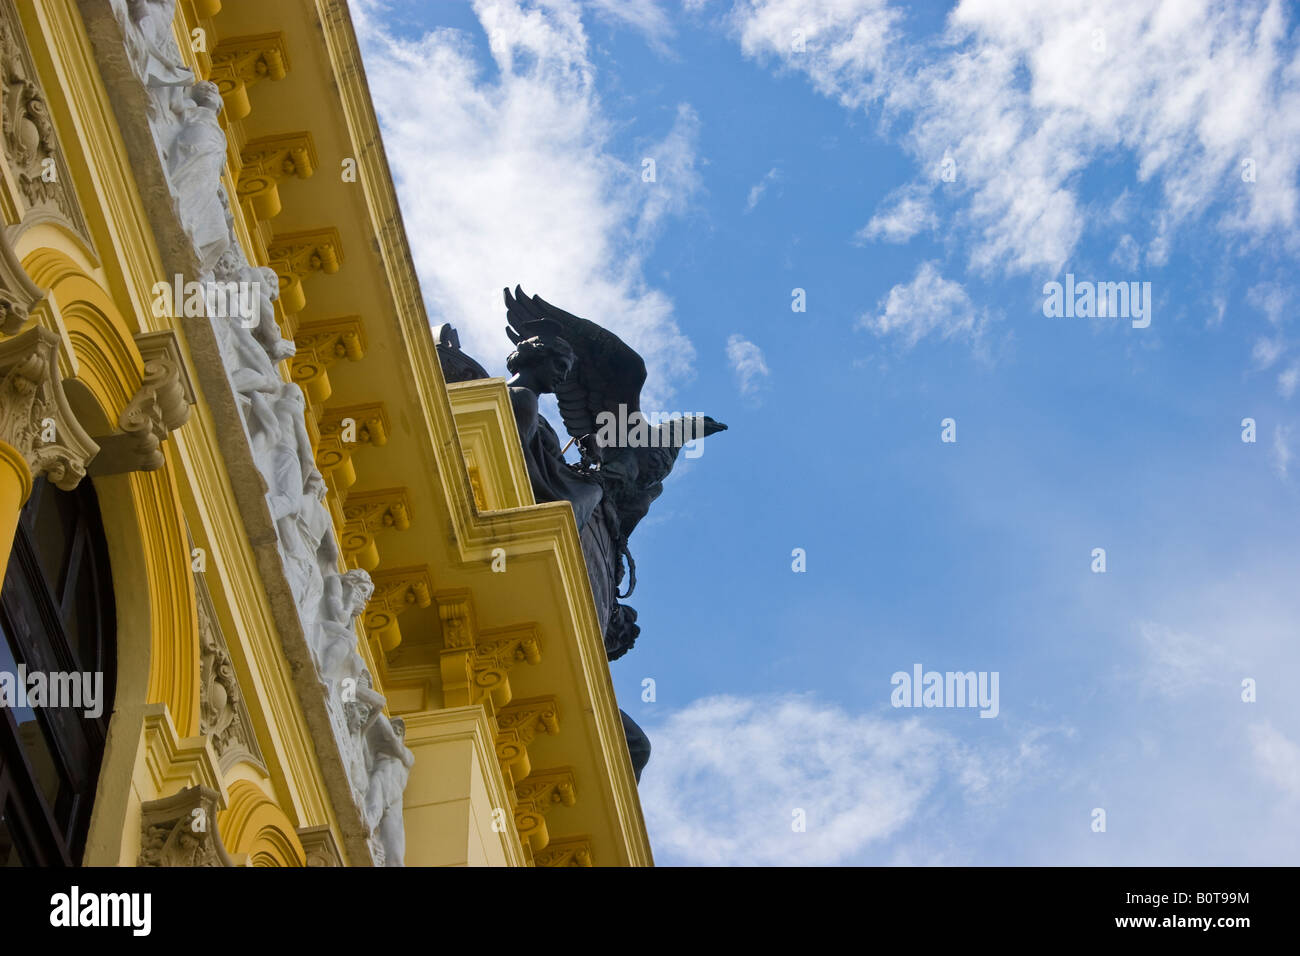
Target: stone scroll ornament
(183, 117)
(596, 378)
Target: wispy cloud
(756, 191)
(748, 363)
(1177, 663)
(647, 17)
(1282, 453)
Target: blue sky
(1126, 141)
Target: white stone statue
(196, 157)
(345, 597)
(391, 762)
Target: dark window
(57, 617)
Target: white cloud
(907, 211)
(1177, 663)
(1271, 299)
(1126, 253)
(1278, 756)
(507, 177)
(728, 773)
(756, 191)
(1267, 351)
(748, 363)
(1027, 95)
(1288, 380)
(929, 304)
(1282, 453)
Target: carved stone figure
(195, 158)
(192, 150)
(391, 766)
(345, 597)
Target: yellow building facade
(332, 624)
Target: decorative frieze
(196, 228)
(223, 715)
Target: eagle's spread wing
(608, 372)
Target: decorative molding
(240, 62)
(371, 422)
(35, 417)
(571, 851)
(223, 715)
(31, 144)
(181, 830)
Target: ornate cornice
(295, 256)
(266, 161)
(475, 664)
(320, 344)
(365, 515)
(396, 590)
(536, 797)
(571, 851)
(518, 724)
(240, 62)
